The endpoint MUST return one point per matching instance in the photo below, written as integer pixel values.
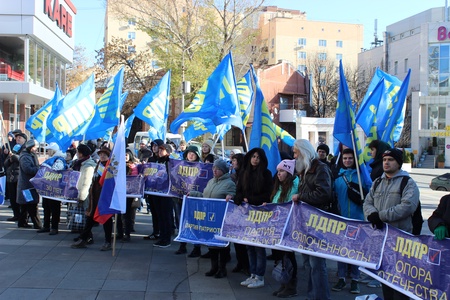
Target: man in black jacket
(316, 189)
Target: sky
(89, 26)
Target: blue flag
(128, 124)
(217, 100)
(153, 109)
(284, 135)
(71, 116)
(377, 106)
(110, 131)
(245, 94)
(345, 126)
(263, 131)
(113, 195)
(396, 113)
(107, 109)
(198, 128)
(37, 123)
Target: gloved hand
(440, 232)
(374, 218)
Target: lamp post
(185, 85)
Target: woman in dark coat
(255, 187)
(28, 167)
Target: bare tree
(325, 84)
(79, 70)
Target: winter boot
(223, 258)
(214, 263)
(290, 290)
(282, 287)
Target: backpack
(417, 219)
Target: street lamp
(185, 85)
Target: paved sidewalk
(39, 266)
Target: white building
(36, 44)
(420, 43)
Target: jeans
(257, 260)
(342, 271)
(317, 277)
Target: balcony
(291, 115)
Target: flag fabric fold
(113, 196)
(71, 116)
(153, 108)
(107, 109)
(217, 99)
(37, 123)
(263, 131)
(345, 126)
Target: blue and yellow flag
(37, 123)
(245, 95)
(345, 126)
(198, 128)
(110, 131)
(153, 109)
(382, 98)
(217, 99)
(284, 136)
(71, 116)
(263, 130)
(107, 109)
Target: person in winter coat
(52, 208)
(387, 205)
(191, 154)
(316, 189)
(377, 149)
(285, 186)
(28, 167)
(349, 209)
(439, 222)
(94, 196)
(220, 187)
(254, 187)
(11, 165)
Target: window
(395, 67)
(273, 43)
(322, 56)
(436, 116)
(338, 56)
(406, 65)
(132, 21)
(131, 35)
(302, 42)
(322, 43)
(322, 69)
(272, 54)
(339, 44)
(301, 68)
(131, 49)
(301, 55)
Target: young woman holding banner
(254, 187)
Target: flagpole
(358, 172)
(114, 236)
(245, 140)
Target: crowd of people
(306, 176)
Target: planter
(441, 164)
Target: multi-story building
(420, 43)
(36, 44)
(287, 34)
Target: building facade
(288, 35)
(420, 43)
(36, 44)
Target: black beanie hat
(324, 148)
(395, 154)
(84, 149)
